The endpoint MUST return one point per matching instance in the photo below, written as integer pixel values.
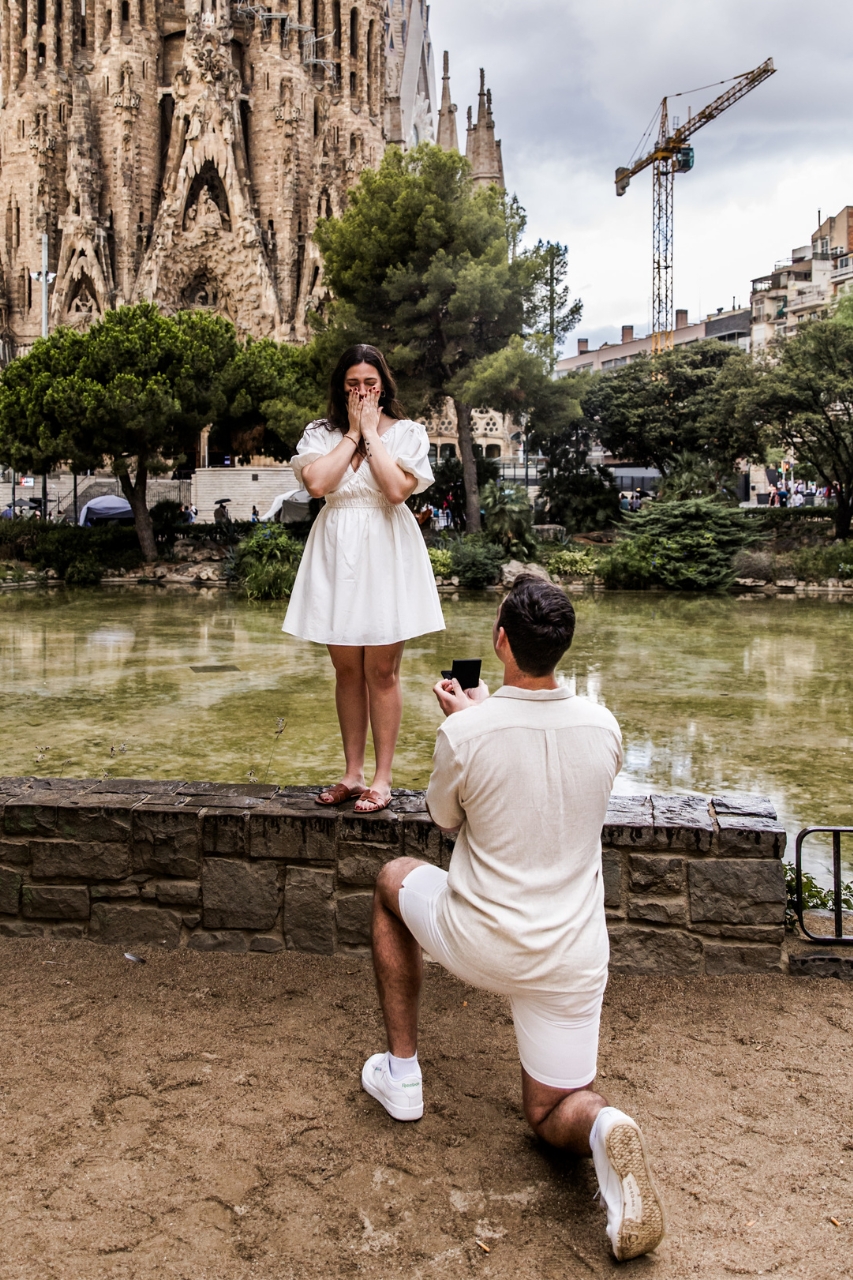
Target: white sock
(399, 1068)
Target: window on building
(353, 32)
(493, 451)
(125, 10)
(353, 84)
(447, 451)
(41, 13)
(42, 54)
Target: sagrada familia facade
(182, 151)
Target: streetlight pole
(46, 277)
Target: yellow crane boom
(672, 154)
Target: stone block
(236, 794)
(178, 893)
(129, 924)
(29, 817)
(655, 875)
(66, 929)
(15, 853)
(268, 943)
(638, 950)
(85, 821)
(360, 864)
(372, 828)
(128, 890)
(225, 832)
(741, 957)
(421, 839)
(810, 966)
(10, 892)
(21, 929)
(354, 912)
(166, 841)
(55, 902)
(309, 914)
(629, 822)
(744, 806)
(742, 836)
(682, 823)
(290, 833)
(769, 933)
(611, 866)
(658, 910)
(737, 891)
(192, 919)
(217, 940)
(240, 895)
(67, 860)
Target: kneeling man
(524, 776)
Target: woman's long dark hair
(337, 412)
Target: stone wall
(692, 886)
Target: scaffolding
(310, 44)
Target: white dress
(365, 576)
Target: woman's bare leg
(352, 706)
(385, 696)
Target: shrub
(569, 562)
(509, 518)
(266, 562)
(685, 546)
(815, 897)
(58, 547)
(758, 564)
(85, 571)
(815, 564)
(476, 561)
(441, 560)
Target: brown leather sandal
(372, 798)
(338, 794)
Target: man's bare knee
(390, 878)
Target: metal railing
(839, 938)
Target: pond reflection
(713, 694)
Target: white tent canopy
(108, 507)
(288, 508)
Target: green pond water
(713, 694)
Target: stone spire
(482, 148)
(447, 138)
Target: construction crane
(670, 155)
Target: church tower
(481, 147)
(182, 151)
(447, 137)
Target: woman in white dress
(365, 585)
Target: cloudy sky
(574, 85)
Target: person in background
(255, 515)
(221, 515)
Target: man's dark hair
(539, 622)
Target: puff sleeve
(316, 441)
(412, 454)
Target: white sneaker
(635, 1221)
(402, 1099)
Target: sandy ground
(200, 1116)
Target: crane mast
(672, 154)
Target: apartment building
(805, 285)
(727, 326)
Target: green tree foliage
(449, 487)
(550, 310)
(657, 408)
(685, 546)
(509, 518)
(515, 381)
(695, 475)
(804, 399)
(271, 390)
(420, 264)
(266, 562)
(132, 392)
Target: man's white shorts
(557, 1033)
